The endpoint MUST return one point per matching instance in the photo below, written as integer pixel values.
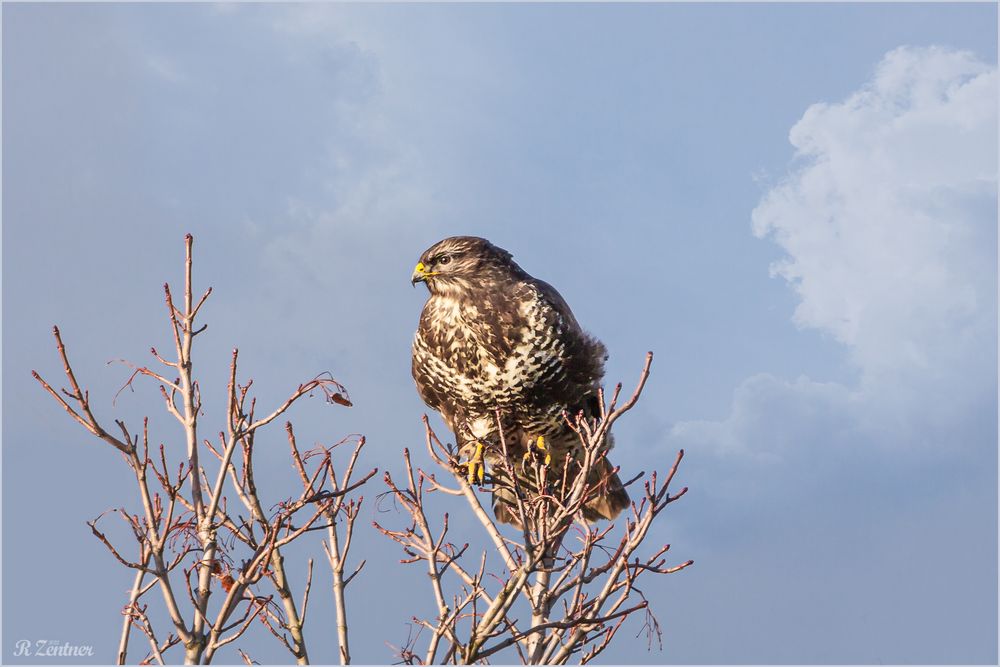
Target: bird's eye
(444, 260)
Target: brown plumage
(491, 338)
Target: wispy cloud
(165, 68)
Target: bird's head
(460, 263)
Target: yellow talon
(476, 468)
(540, 443)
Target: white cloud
(889, 225)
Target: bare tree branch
(575, 596)
(187, 523)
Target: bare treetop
(558, 590)
(190, 542)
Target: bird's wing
(583, 355)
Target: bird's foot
(539, 445)
(477, 465)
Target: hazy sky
(794, 206)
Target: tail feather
(608, 503)
(613, 497)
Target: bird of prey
(492, 338)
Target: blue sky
(793, 205)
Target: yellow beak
(420, 274)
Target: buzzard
(491, 337)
